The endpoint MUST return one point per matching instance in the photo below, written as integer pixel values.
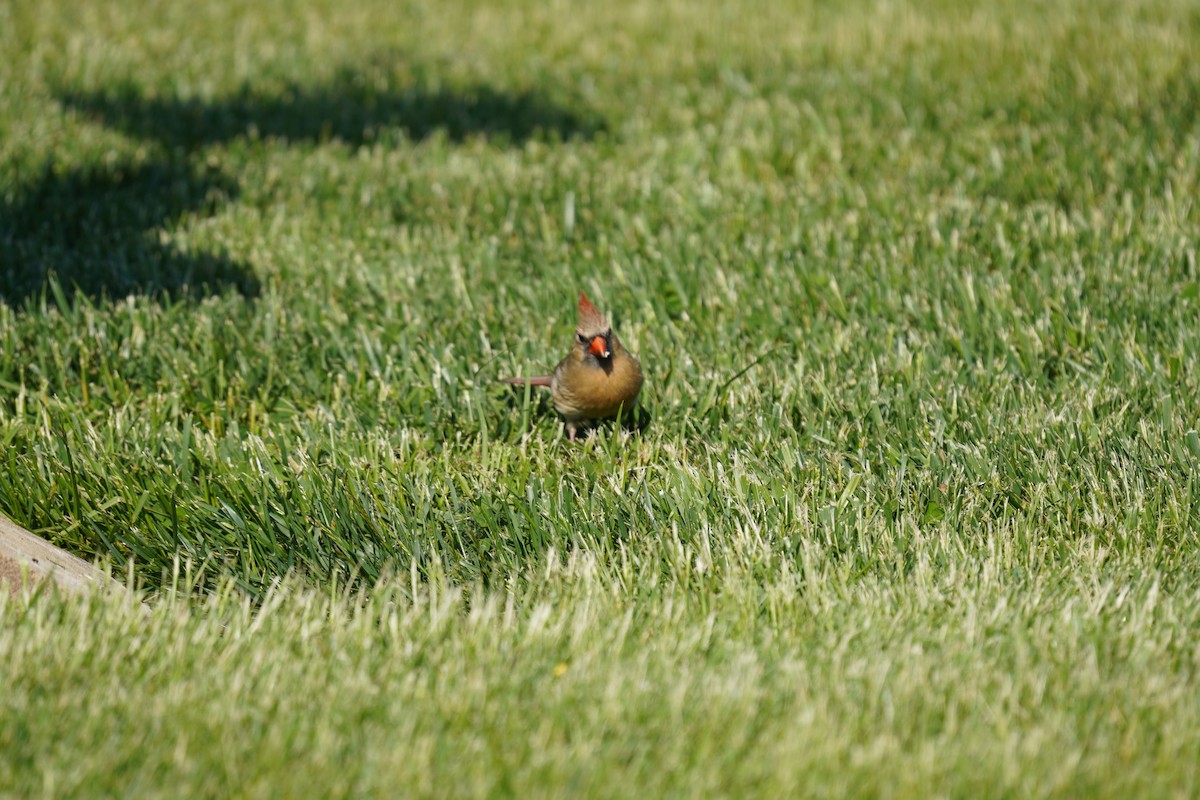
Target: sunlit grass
(914, 507)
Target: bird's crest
(590, 319)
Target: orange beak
(598, 347)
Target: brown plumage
(598, 379)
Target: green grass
(916, 506)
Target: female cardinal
(597, 379)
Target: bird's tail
(540, 380)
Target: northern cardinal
(598, 379)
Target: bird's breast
(587, 391)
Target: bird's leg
(571, 431)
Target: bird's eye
(581, 338)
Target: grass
(916, 507)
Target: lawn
(912, 507)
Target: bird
(598, 379)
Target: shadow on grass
(355, 107)
(100, 231)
